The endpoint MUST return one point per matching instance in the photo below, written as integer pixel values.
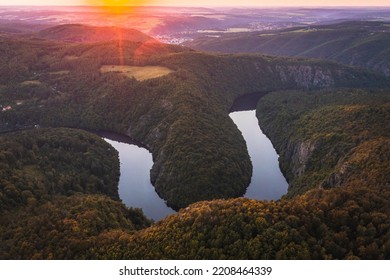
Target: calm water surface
(136, 190)
(268, 182)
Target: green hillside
(198, 152)
(329, 139)
(39, 163)
(362, 44)
(58, 188)
(345, 223)
(345, 215)
(329, 123)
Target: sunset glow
(267, 3)
(119, 2)
(115, 3)
(115, 6)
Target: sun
(116, 10)
(115, 6)
(116, 2)
(122, 3)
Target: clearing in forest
(140, 73)
(31, 83)
(63, 72)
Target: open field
(71, 57)
(140, 73)
(29, 83)
(63, 72)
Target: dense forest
(57, 188)
(39, 163)
(329, 138)
(62, 182)
(343, 223)
(182, 117)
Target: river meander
(268, 182)
(136, 190)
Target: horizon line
(209, 6)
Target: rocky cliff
(330, 138)
(305, 76)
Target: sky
(201, 2)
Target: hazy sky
(204, 2)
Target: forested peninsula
(329, 122)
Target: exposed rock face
(167, 105)
(299, 154)
(305, 76)
(383, 67)
(337, 178)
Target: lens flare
(118, 2)
(116, 6)
(115, 12)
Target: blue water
(268, 182)
(136, 190)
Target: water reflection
(135, 188)
(268, 182)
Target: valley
(363, 44)
(328, 121)
(136, 190)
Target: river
(136, 190)
(268, 182)
(134, 187)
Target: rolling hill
(71, 207)
(169, 113)
(84, 33)
(362, 44)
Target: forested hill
(175, 113)
(85, 33)
(53, 180)
(363, 44)
(58, 188)
(329, 138)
